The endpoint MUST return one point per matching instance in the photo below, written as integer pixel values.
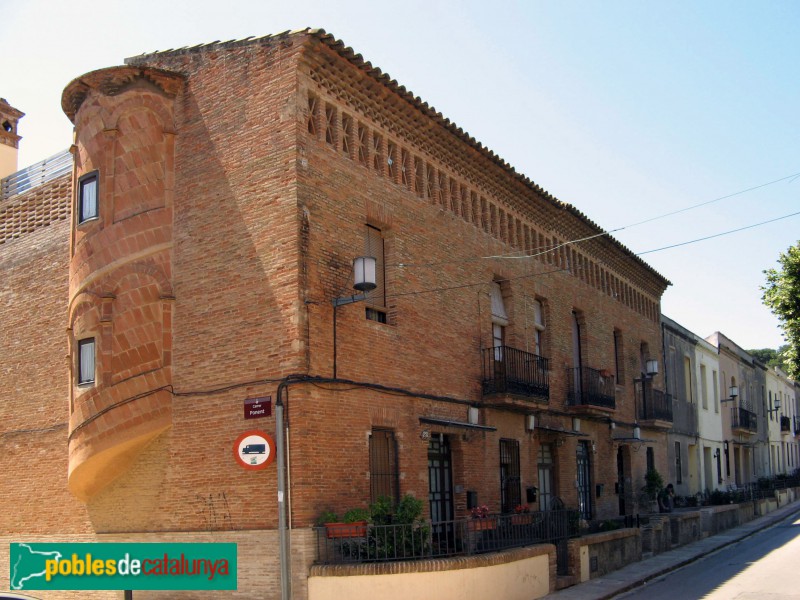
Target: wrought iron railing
(653, 404)
(507, 370)
(463, 537)
(741, 418)
(36, 174)
(590, 387)
(786, 424)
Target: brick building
(219, 196)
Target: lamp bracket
(349, 299)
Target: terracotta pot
(346, 530)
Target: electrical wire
(544, 250)
(716, 235)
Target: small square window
(87, 198)
(86, 361)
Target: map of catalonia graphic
(27, 563)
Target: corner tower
(120, 287)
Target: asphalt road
(762, 567)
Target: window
(86, 361)
(509, 475)
(87, 197)
(716, 390)
(651, 459)
(538, 325)
(347, 134)
(678, 465)
(499, 318)
(687, 379)
(771, 412)
(312, 115)
(383, 471)
(619, 361)
(363, 144)
(545, 464)
(376, 299)
(377, 152)
(330, 124)
(703, 388)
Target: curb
(770, 520)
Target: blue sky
(627, 110)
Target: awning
(561, 431)
(448, 423)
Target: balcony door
(440, 479)
(545, 465)
(576, 358)
(584, 480)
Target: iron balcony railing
(590, 387)
(507, 370)
(741, 418)
(653, 404)
(36, 174)
(463, 537)
(786, 424)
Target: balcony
(786, 425)
(654, 406)
(743, 420)
(590, 390)
(515, 376)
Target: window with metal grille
(383, 472)
(678, 464)
(509, 475)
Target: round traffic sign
(254, 450)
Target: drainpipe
(283, 538)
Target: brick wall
(228, 227)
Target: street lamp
(733, 393)
(776, 409)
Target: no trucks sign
(254, 450)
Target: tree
(770, 357)
(782, 296)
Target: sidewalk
(638, 573)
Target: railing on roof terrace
(36, 174)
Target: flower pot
(521, 519)
(346, 530)
(481, 524)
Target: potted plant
(521, 515)
(653, 484)
(352, 525)
(480, 519)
